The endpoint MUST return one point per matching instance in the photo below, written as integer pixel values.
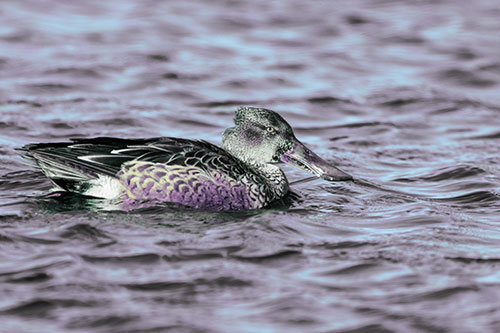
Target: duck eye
(270, 129)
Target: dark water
(404, 95)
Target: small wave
(83, 232)
(345, 245)
(495, 135)
(199, 255)
(118, 121)
(75, 100)
(59, 125)
(400, 102)
(36, 240)
(467, 260)
(363, 143)
(195, 123)
(158, 57)
(12, 126)
(455, 173)
(365, 124)
(99, 321)
(28, 268)
(370, 328)
(42, 307)
(220, 282)
(22, 101)
(182, 77)
(159, 286)
(226, 103)
(491, 68)
(464, 53)
(356, 19)
(5, 239)
(75, 72)
(288, 67)
(446, 109)
(405, 39)
(433, 104)
(170, 76)
(187, 254)
(478, 197)
(465, 78)
(181, 95)
(375, 126)
(23, 180)
(406, 222)
(146, 259)
(48, 87)
(445, 174)
(440, 294)
(353, 269)
(32, 277)
(18, 36)
(326, 100)
(267, 257)
(239, 84)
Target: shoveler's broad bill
(241, 175)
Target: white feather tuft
(104, 187)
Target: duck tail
(68, 168)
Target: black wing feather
(104, 155)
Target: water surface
(402, 95)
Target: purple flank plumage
(160, 174)
(142, 168)
(188, 186)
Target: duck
(242, 174)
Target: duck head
(262, 136)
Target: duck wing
(85, 159)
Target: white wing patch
(104, 187)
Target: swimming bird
(241, 175)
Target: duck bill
(305, 159)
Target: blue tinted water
(402, 95)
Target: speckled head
(262, 136)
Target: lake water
(403, 95)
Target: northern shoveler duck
(241, 175)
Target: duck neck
(273, 175)
(275, 178)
